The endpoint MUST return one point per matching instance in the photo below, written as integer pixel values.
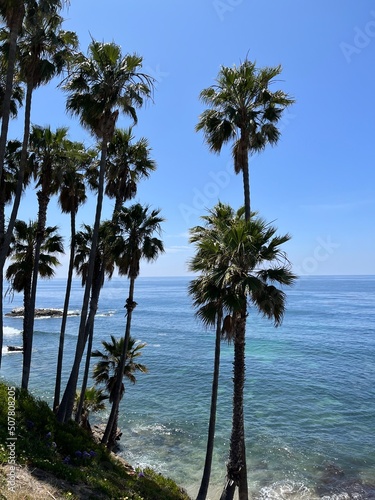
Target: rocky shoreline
(43, 312)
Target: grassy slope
(68, 453)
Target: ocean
(310, 384)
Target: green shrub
(68, 452)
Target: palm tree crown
(242, 259)
(127, 163)
(138, 226)
(106, 371)
(103, 84)
(242, 108)
(22, 250)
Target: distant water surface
(310, 390)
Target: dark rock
(14, 348)
(43, 312)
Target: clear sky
(318, 183)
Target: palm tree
(245, 260)
(8, 182)
(72, 194)
(108, 370)
(44, 50)
(93, 402)
(211, 302)
(17, 95)
(99, 88)
(104, 265)
(127, 163)
(208, 298)
(138, 226)
(48, 156)
(20, 272)
(243, 109)
(12, 12)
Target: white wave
(105, 314)
(9, 331)
(155, 345)
(285, 490)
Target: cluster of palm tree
(99, 87)
(239, 261)
(238, 255)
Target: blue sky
(317, 184)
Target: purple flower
(140, 474)
(66, 460)
(92, 454)
(48, 435)
(86, 454)
(78, 454)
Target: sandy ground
(34, 483)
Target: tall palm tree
(212, 299)
(104, 265)
(108, 369)
(48, 156)
(20, 272)
(127, 163)
(246, 260)
(12, 12)
(8, 182)
(244, 110)
(72, 194)
(211, 302)
(138, 226)
(208, 298)
(100, 87)
(44, 50)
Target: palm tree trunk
(202, 494)
(43, 201)
(56, 399)
(27, 313)
(21, 172)
(130, 305)
(236, 472)
(15, 26)
(2, 230)
(89, 333)
(246, 186)
(66, 406)
(85, 376)
(5, 243)
(113, 435)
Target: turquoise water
(310, 393)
